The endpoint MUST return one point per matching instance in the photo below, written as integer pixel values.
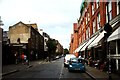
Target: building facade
(46, 38)
(74, 39)
(93, 31)
(26, 38)
(59, 48)
(71, 45)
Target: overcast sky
(55, 17)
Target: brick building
(26, 38)
(92, 35)
(74, 39)
(71, 45)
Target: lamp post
(108, 29)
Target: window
(82, 37)
(118, 7)
(118, 46)
(88, 16)
(82, 27)
(94, 26)
(93, 8)
(113, 47)
(106, 15)
(98, 21)
(87, 33)
(86, 20)
(108, 11)
(97, 2)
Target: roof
(34, 25)
(19, 23)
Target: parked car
(67, 59)
(76, 64)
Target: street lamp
(108, 29)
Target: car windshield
(70, 56)
(80, 60)
(75, 60)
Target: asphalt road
(48, 70)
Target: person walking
(22, 57)
(16, 57)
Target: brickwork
(89, 19)
(102, 10)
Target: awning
(80, 46)
(88, 43)
(97, 40)
(115, 35)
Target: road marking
(61, 72)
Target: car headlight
(83, 66)
(70, 65)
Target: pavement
(9, 69)
(97, 74)
(91, 71)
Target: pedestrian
(22, 57)
(25, 60)
(16, 57)
(25, 57)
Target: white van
(67, 59)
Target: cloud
(56, 17)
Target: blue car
(76, 64)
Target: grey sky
(55, 17)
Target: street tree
(52, 45)
(66, 51)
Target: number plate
(77, 69)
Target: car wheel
(69, 70)
(64, 65)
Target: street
(47, 70)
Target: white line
(61, 72)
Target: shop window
(113, 47)
(118, 47)
(119, 63)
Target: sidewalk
(97, 74)
(8, 69)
